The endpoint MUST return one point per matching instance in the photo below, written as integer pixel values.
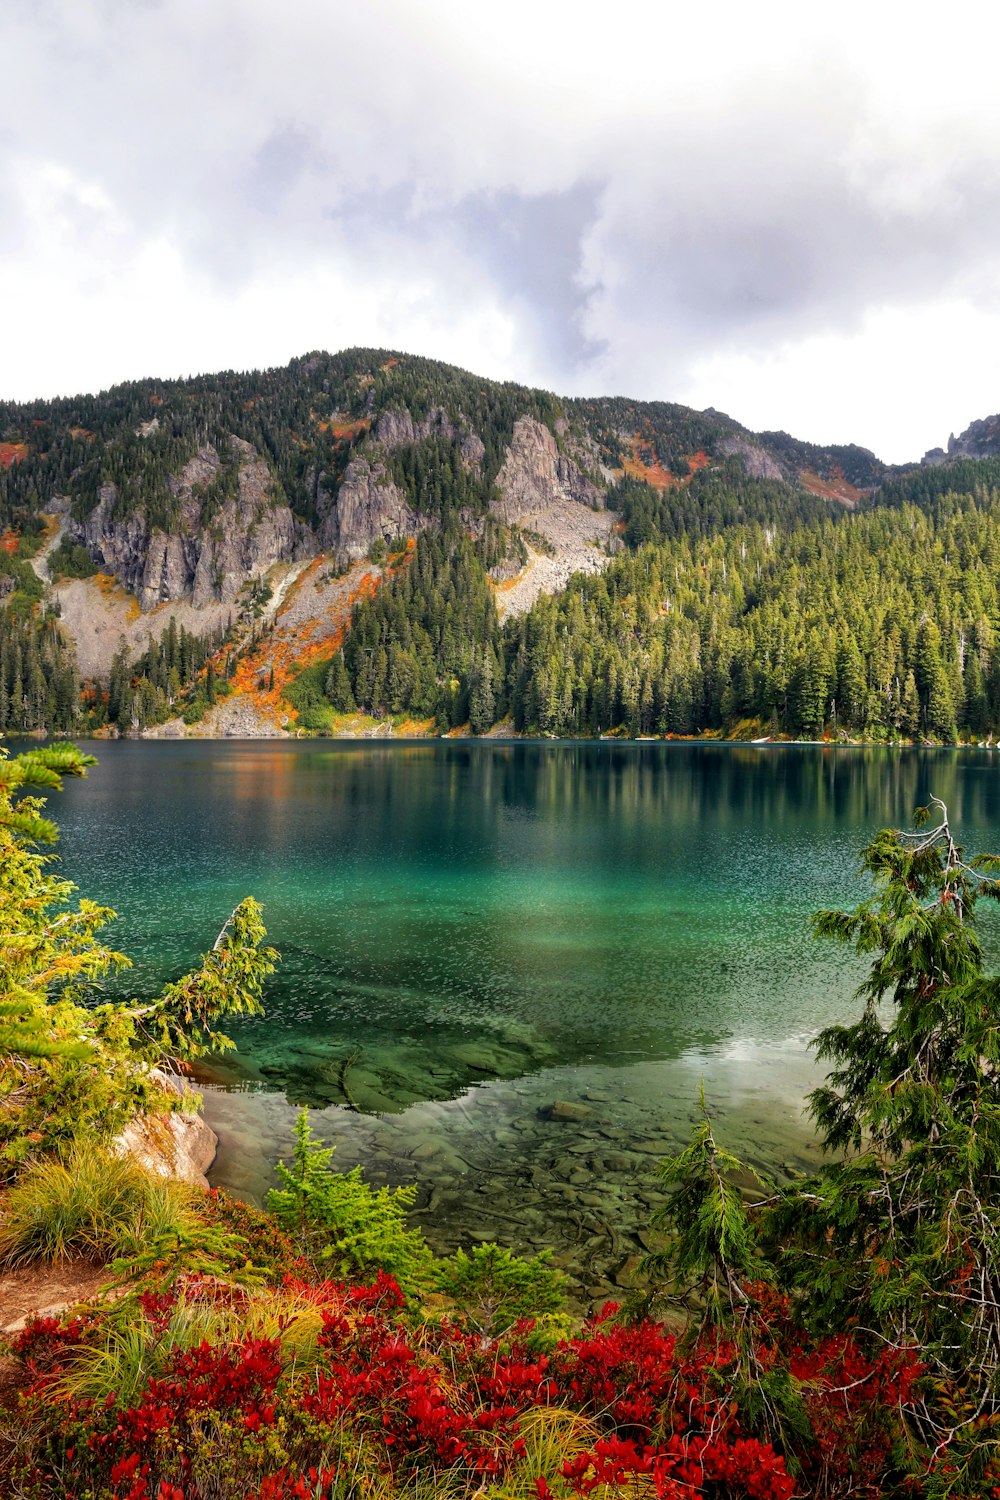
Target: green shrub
(71, 560)
(255, 1238)
(196, 710)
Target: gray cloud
(608, 227)
(528, 248)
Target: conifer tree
(902, 1235)
(70, 1068)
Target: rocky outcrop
(396, 428)
(979, 440)
(179, 1144)
(206, 557)
(368, 506)
(757, 463)
(473, 451)
(534, 474)
(118, 545)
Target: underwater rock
(564, 1109)
(481, 1059)
(626, 1274)
(618, 1161)
(425, 1150)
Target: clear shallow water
(473, 931)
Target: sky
(790, 213)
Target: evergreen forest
(732, 604)
(879, 624)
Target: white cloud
(899, 384)
(750, 207)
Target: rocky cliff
(185, 490)
(979, 440)
(368, 506)
(534, 474)
(209, 555)
(396, 428)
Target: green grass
(90, 1203)
(132, 1350)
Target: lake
(474, 932)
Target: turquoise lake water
(472, 932)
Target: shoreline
(388, 735)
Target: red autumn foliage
(427, 1400)
(642, 463)
(12, 453)
(833, 487)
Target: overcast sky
(791, 216)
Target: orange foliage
(116, 593)
(12, 453)
(345, 430)
(834, 487)
(654, 473)
(507, 583)
(289, 650)
(8, 542)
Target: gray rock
(368, 506)
(626, 1274)
(757, 463)
(179, 1144)
(426, 1150)
(534, 473)
(207, 558)
(564, 1109)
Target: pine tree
(71, 1070)
(338, 686)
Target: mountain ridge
(266, 517)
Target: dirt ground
(43, 1288)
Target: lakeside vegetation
(832, 1336)
(873, 626)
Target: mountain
(363, 531)
(184, 489)
(979, 440)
